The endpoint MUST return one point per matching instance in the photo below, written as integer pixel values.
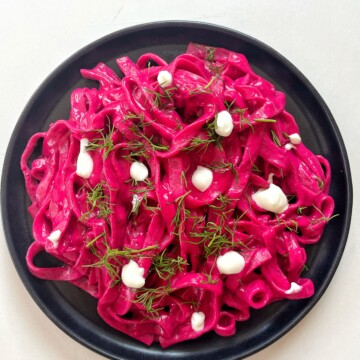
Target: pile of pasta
(159, 227)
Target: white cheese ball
(202, 178)
(84, 164)
(295, 138)
(197, 321)
(294, 289)
(54, 237)
(271, 199)
(230, 263)
(164, 79)
(224, 123)
(138, 171)
(288, 147)
(132, 275)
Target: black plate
(73, 310)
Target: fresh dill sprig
(210, 128)
(255, 168)
(210, 51)
(148, 296)
(291, 225)
(154, 209)
(166, 266)
(239, 217)
(320, 183)
(223, 214)
(93, 241)
(141, 117)
(207, 86)
(198, 91)
(162, 100)
(222, 166)
(197, 220)
(137, 150)
(193, 303)
(217, 236)
(304, 268)
(97, 199)
(129, 253)
(325, 218)
(104, 142)
(140, 196)
(236, 110)
(301, 209)
(209, 278)
(275, 138)
(202, 142)
(156, 147)
(148, 186)
(248, 122)
(265, 120)
(229, 105)
(290, 197)
(183, 179)
(205, 89)
(181, 216)
(224, 202)
(216, 69)
(110, 260)
(199, 143)
(213, 239)
(180, 211)
(136, 202)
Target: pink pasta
(100, 220)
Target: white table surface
(320, 37)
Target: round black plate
(73, 310)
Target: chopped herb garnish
(320, 183)
(203, 90)
(180, 211)
(213, 239)
(162, 100)
(301, 209)
(325, 218)
(147, 297)
(221, 167)
(104, 142)
(140, 196)
(166, 266)
(110, 260)
(183, 179)
(210, 128)
(304, 268)
(141, 117)
(255, 168)
(210, 51)
(98, 200)
(199, 144)
(275, 138)
(156, 147)
(137, 150)
(209, 278)
(265, 120)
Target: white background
(320, 37)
